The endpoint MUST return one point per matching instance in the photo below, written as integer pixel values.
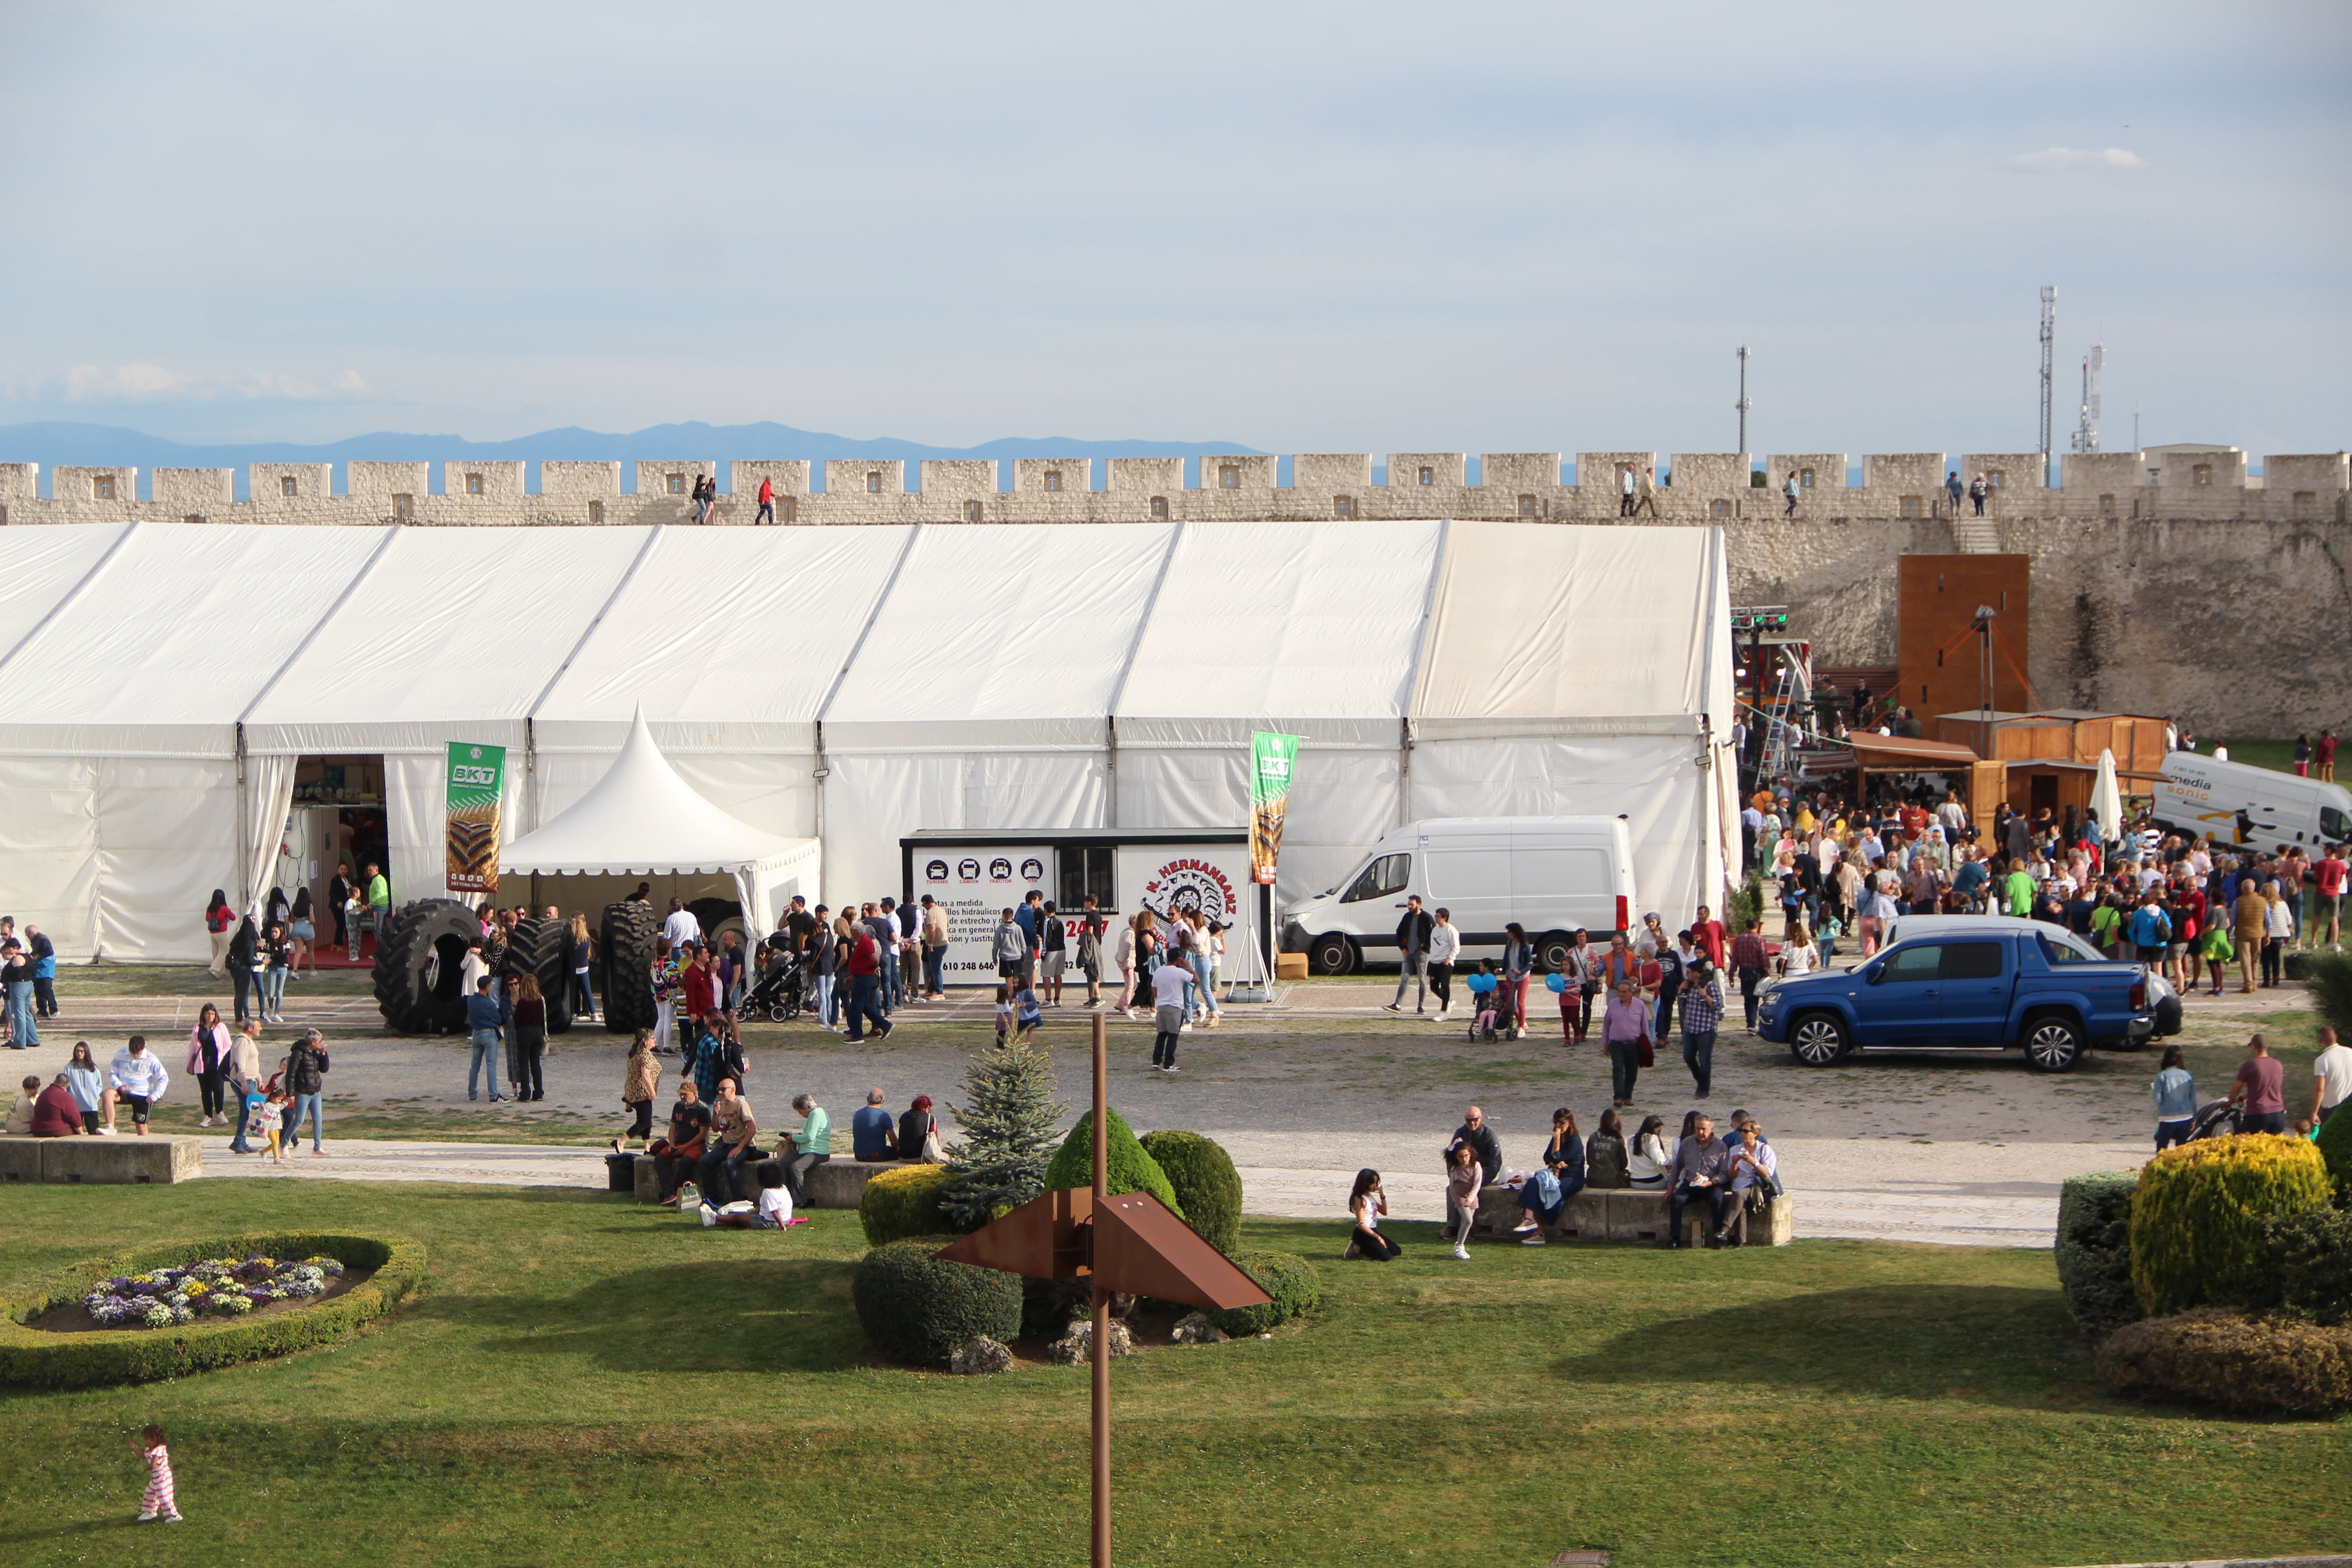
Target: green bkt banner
(1271, 760)
(477, 777)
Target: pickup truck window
(1924, 961)
(2069, 949)
(1387, 873)
(1972, 961)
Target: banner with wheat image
(477, 777)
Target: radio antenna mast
(2049, 336)
(2087, 432)
(1743, 405)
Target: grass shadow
(1989, 1343)
(736, 1315)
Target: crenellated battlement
(2184, 482)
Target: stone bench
(1625, 1214)
(836, 1183)
(124, 1161)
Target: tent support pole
(1110, 770)
(243, 849)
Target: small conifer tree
(1009, 1114)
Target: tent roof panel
(40, 566)
(798, 596)
(1289, 621)
(173, 631)
(1545, 620)
(1005, 624)
(453, 625)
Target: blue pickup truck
(2045, 990)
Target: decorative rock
(1194, 1329)
(978, 1356)
(1074, 1348)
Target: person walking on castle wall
(2302, 756)
(1648, 497)
(1978, 490)
(2323, 756)
(1625, 490)
(1952, 489)
(1790, 490)
(767, 499)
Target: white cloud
(2051, 159)
(155, 383)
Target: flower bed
(212, 1287)
(183, 1306)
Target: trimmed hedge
(2335, 1146)
(2199, 1217)
(1129, 1169)
(2329, 975)
(2312, 1254)
(902, 1203)
(2095, 1249)
(2267, 1363)
(1289, 1278)
(1206, 1184)
(34, 1358)
(915, 1306)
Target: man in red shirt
(2330, 873)
(1707, 933)
(55, 1114)
(700, 984)
(767, 501)
(2262, 1085)
(2324, 754)
(865, 985)
(1915, 819)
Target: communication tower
(2049, 336)
(2086, 433)
(1743, 405)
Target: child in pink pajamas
(157, 1503)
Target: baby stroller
(781, 992)
(2219, 1119)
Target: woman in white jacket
(135, 1078)
(1122, 954)
(1444, 947)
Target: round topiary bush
(2243, 1362)
(1129, 1169)
(2199, 1214)
(2312, 1254)
(1207, 1186)
(2335, 1146)
(2095, 1249)
(1289, 1278)
(902, 1203)
(34, 1358)
(915, 1306)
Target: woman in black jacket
(1563, 1157)
(242, 946)
(914, 1127)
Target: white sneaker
(709, 1218)
(1463, 1253)
(106, 1132)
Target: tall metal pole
(1100, 1298)
(1743, 399)
(2048, 337)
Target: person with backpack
(306, 1083)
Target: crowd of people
(1734, 1178)
(85, 1101)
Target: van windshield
(1385, 875)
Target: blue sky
(1336, 227)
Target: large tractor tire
(714, 915)
(542, 948)
(420, 957)
(626, 966)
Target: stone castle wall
(2165, 582)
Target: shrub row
(2094, 1249)
(32, 1358)
(2239, 1360)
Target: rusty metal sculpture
(1128, 1244)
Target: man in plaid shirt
(1747, 961)
(1702, 999)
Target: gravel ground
(1958, 1148)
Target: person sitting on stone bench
(1754, 1183)
(872, 1132)
(1701, 1171)
(57, 1114)
(732, 1130)
(674, 1157)
(20, 1114)
(811, 1146)
(1544, 1196)
(1482, 1143)
(915, 1129)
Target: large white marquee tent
(159, 683)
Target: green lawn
(587, 1382)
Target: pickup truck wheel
(2053, 1043)
(1818, 1039)
(1331, 954)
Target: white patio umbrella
(2107, 799)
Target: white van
(2237, 803)
(1553, 875)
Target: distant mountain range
(66, 442)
